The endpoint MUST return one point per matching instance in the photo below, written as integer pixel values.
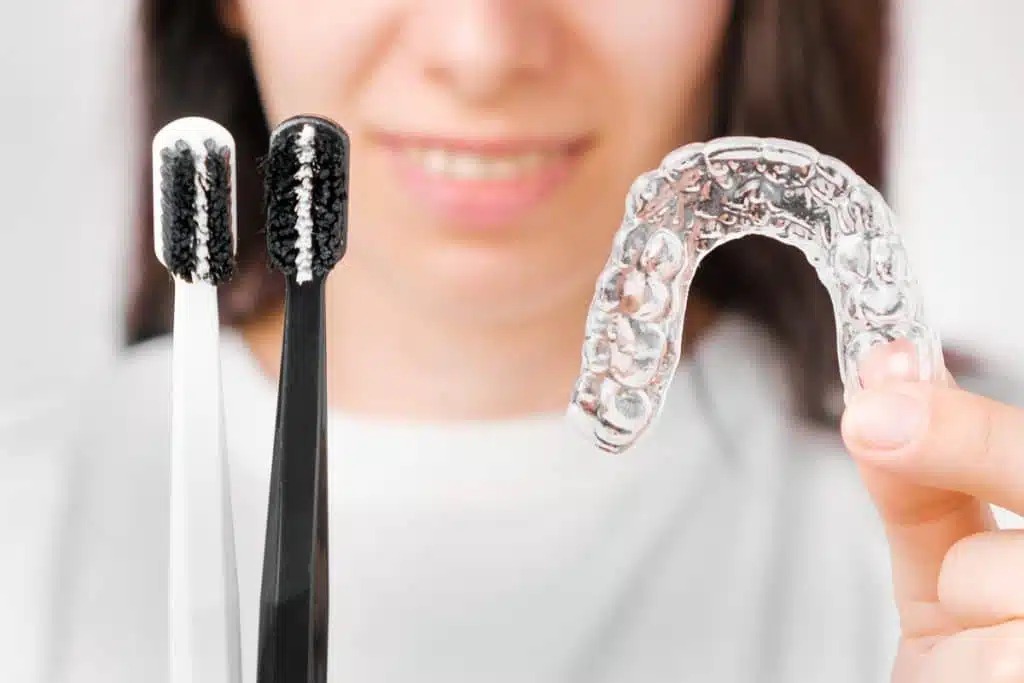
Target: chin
(502, 287)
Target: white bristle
(202, 217)
(304, 204)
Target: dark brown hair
(806, 70)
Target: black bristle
(178, 202)
(218, 211)
(329, 196)
(280, 168)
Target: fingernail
(901, 366)
(884, 420)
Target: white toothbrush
(194, 238)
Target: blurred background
(67, 125)
(66, 121)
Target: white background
(957, 166)
(63, 180)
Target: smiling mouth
(483, 182)
(484, 159)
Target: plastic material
(702, 196)
(191, 219)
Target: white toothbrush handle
(203, 585)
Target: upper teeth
(466, 165)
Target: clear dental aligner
(702, 196)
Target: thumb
(922, 522)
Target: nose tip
(480, 48)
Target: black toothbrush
(306, 193)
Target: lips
(482, 183)
(464, 165)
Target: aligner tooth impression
(702, 196)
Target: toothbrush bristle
(219, 212)
(306, 192)
(194, 188)
(179, 223)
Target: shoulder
(85, 483)
(108, 441)
(121, 437)
(120, 407)
(115, 427)
(128, 405)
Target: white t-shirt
(734, 544)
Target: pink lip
(490, 203)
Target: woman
(492, 145)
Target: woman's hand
(933, 458)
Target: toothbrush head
(306, 193)
(194, 224)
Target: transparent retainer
(702, 196)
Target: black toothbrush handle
(293, 599)
(322, 585)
